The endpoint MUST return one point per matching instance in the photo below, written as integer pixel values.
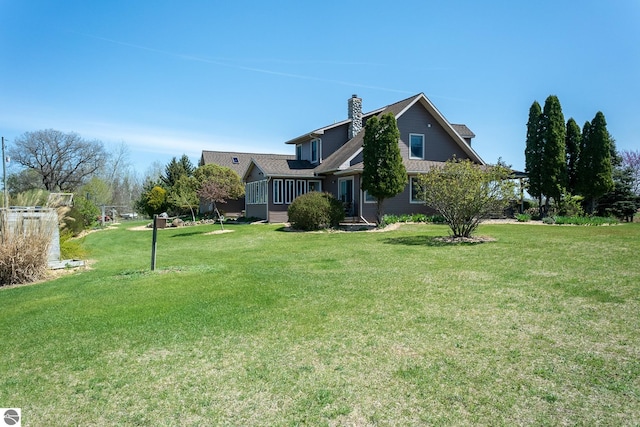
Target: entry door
(345, 194)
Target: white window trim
(278, 195)
(319, 182)
(318, 158)
(340, 180)
(301, 187)
(289, 191)
(414, 202)
(411, 156)
(365, 193)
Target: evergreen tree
(596, 161)
(620, 202)
(384, 175)
(554, 169)
(175, 169)
(572, 148)
(533, 153)
(583, 166)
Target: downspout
(268, 181)
(361, 204)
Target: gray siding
(398, 205)
(439, 146)
(278, 216)
(332, 140)
(256, 211)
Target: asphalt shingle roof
(463, 131)
(341, 155)
(228, 159)
(285, 167)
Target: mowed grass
(264, 327)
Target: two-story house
(330, 159)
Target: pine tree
(175, 169)
(533, 153)
(384, 175)
(572, 148)
(554, 169)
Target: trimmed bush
(523, 217)
(315, 210)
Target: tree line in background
(179, 189)
(55, 161)
(573, 170)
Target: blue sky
(168, 77)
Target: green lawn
(265, 327)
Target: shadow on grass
(191, 233)
(437, 241)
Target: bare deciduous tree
(631, 159)
(63, 160)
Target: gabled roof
(281, 167)
(239, 162)
(463, 131)
(338, 160)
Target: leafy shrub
(523, 217)
(585, 220)
(572, 206)
(392, 219)
(548, 220)
(71, 248)
(437, 219)
(74, 221)
(84, 212)
(315, 210)
(533, 212)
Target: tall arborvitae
(533, 153)
(583, 167)
(596, 176)
(384, 175)
(554, 169)
(572, 148)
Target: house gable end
(444, 124)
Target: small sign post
(154, 241)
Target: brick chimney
(355, 115)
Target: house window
(314, 185)
(256, 192)
(416, 146)
(368, 198)
(301, 187)
(277, 191)
(299, 152)
(316, 150)
(235, 160)
(289, 191)
(415, 190)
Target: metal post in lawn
(154, 241)
(5, 200)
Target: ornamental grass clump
(24, 248)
